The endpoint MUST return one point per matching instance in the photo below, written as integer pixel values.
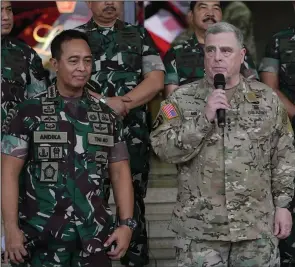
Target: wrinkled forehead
(5, 4)
(224, 39)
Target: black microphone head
(219, 80)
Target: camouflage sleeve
(38, 79)
(282, 159)
(248, 68)
(119, 152)
(176, 138)
(171, 76)
(16, 136)
(151, 59)
(271, 60)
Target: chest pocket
(287, 53)
(129, 51)
(15, 66)
(190, 65)
(258, 124)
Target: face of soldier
(75, 64)
(224, 55)
(6, 18)
(105, 11)
(206, 13)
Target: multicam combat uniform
(22, 73)
(279, 58)
(230, 180)
(184, 63)
(67, 144)
(123, 54)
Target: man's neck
(68, 92)
(200, 34)
(105, 24)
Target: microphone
(219, 83)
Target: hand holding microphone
(217, 102)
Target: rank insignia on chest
(49, 172)
(93, 116)
(251, 98)
(169, 111)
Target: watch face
(132, 223)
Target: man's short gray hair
(221, 27)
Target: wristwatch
(103, 99)
(131, 223)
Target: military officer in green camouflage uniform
(130, 73)
(235, 182)
(22, 73)
(184, 63)
(67, 144)
(277, 71)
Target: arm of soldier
(171, 76)
(38, 76)
(180, 138)
(248, 68)
(283, 171)
(269, 73)
(120, 176)
(14, 152)
(153, 71)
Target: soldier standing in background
(67, 144)
(236, 182)
(277, 71)
(130, 73)
(184, 63)
(22, 72)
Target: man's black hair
(193, 3)
(63, 37)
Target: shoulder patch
(169, 111)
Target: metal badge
(101, 157)
(49, 118)
(43, 152)
(51, 92)
(56, 152)
(251, 98)
(50, 137)
(101, 128)
(96, 107)
(100, 139)
(104, 117)
(45, 101)
(50, 126)
(93, 116)
(49, 172)
(48, 109)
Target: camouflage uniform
(122, 55)
(230, 179)
(67, 144)
(22, 73)
(279, 58)
(184, 63)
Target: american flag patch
(169, 111)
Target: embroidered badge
(169, 111)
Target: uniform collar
(93, 26)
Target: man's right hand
(14, 245)
(117, 103)
(216, 100)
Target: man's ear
(243, 53)
(54, 65)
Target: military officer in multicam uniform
(236, 182)
(277, 71)
(22, 72)
(130, 73)
(67, 144)
(184, 62)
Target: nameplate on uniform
(100, 139)
(49, 172)
(48, 109)
(101, 156)
(50, 137)
(190, 113)
(101, 128)
(93, 116)
(256, 110)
